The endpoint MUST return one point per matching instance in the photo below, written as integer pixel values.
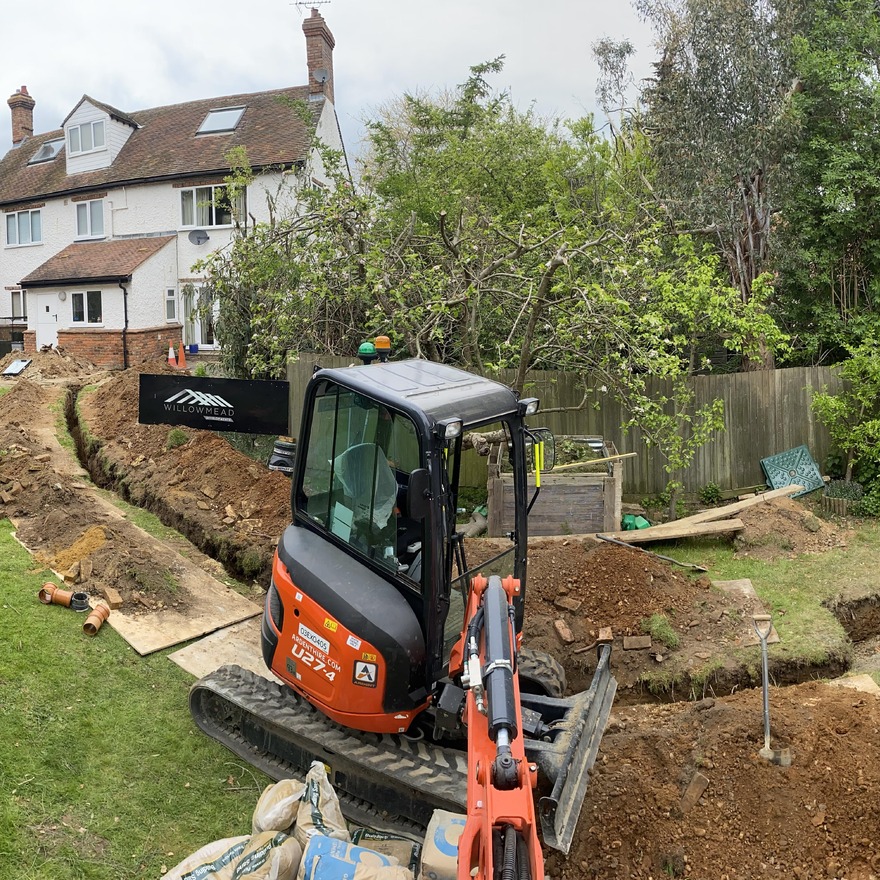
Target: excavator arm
(500, 837)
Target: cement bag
(209, 860)
(329, 859)
(406, 851)
(269, 855)
(319, 811)
(266, 856)
(276, 809)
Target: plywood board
(238, 644)
(863, 683)
(210, 605)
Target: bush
(710, 493)
(844, 489)
(176, 437)
(868, 505)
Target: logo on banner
(366, 674)
(213, 407)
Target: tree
(715, 114)
(829, 228)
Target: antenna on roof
(301, 4)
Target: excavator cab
(365, 618)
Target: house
(105, 217)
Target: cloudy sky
(136, 55)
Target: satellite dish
(198, 236)
(321, 74)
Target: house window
(85, 138)
(170, 304)
(209, 206)
(19, 304)
(87, 307)
(47, 152)
(90, 219)
(23, 227)
(223, 119)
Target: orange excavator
(400, 660)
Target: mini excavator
(400, 661)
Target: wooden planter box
(568, 504)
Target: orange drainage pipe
(54, 595)
(98, 615)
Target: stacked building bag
(298, 833)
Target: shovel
(763, 625)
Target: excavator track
(280, 733)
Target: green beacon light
(367, 352)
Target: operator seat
(371, 488)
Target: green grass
(102, 772)
(4, 389)
(660, 629)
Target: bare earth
(818, 818)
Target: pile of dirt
(51, 364)
(784, 528)
(814, 819)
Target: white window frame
(199, 203)
(90, 213)
(47, 152)
(84, 296)
(76, 136)
(16, 226)
(171, 300)
(21, 296)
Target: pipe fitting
(97, 616)
(51, 594)
(79, 602)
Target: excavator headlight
(528, 406)
(449, 429)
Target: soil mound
(784, 528)
(814, 819)
(50, 365)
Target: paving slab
(743, 589)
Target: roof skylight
(222, 119)
(47, 152)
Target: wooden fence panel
(765, 412)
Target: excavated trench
(247, 558)
(238, 555)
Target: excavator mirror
(417, 492)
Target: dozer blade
(567, 760)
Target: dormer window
(47, 152)
(223, 119)
(85, 138)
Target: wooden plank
(644, 536)
(717, 513)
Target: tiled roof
(166, 146)
(112, 112)
(96, 260)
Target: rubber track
(236, 706)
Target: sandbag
(328, 859)
(277, 807)
(318, 811)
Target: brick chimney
(22, 106)
(319, 55)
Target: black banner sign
(246, 405)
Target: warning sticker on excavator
(330, 624)
(365, 674)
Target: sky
(136, 55)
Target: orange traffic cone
(181, 361)
(172, 361)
